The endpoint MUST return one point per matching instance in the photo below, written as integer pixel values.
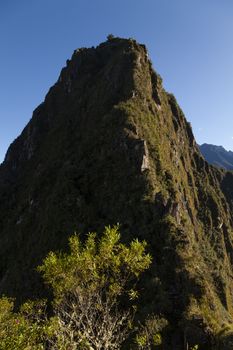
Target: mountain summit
(109, 145)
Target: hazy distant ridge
(217, 155)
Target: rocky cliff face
(110, 145)
(217, 155)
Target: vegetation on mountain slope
(110, 145)
(94, 298)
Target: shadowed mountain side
(109, 145)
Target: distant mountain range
(217, 155)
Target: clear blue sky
(189, 41)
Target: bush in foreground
(94, 288)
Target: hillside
(109, 145)
(217, 155)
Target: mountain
(217, 155)
(109, 145)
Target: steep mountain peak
(109, 145)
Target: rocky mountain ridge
(109, 145)
(217, 155)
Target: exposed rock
(143, 154)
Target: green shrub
(90, 284)
(94, 287)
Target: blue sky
(189, 41)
